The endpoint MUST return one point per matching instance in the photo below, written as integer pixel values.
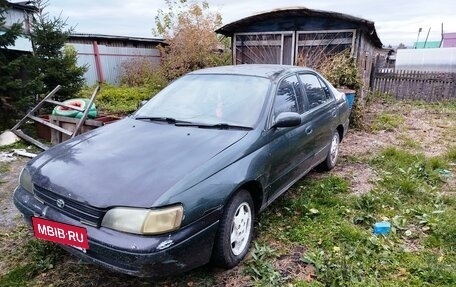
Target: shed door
(314, 47)
(264, 48)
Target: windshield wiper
(161, 119)
(223, 126)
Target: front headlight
(144, 221)
(25, 180)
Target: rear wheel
(235, 231)
(333, 153)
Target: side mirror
(287, 120)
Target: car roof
(260, 70)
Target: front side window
(286, 99)
(316, 93)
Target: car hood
(128, 163)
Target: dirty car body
(178, 183)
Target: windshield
(210, 99)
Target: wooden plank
(65, 105)
(51, 125)
(56, 137)
(21, 134)
(24, 119)
(88, 122)
(86, 112)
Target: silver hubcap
(240, 228)
(334, 149)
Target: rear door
(322, 108)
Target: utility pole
(441, 38)
(427, 37)
(417, 38)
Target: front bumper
(138, 255)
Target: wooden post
(86, 112)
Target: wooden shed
(302, 36)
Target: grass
(387, 122)
(260, 267)
(27, 257)
(336, 226)
(4, 167)
(408, 142)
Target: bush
(120, 100)
(139, 72)
(188, 27)
(341, 70)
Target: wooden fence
(416, 85)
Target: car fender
(216, 190)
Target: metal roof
(260, 70)
(74, 36)
(236, 26)
(24, 5)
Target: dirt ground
(429, 131)
(8, 181)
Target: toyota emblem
(60, 203)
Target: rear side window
(286, 99)
(317, 94)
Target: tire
(333, 153)
(232, 241)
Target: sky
(395, 21)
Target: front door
(290, 149)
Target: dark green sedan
(178, 184)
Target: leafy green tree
(188, 27)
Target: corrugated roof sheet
(111, 59)
(97, 37)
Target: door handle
(309, 130)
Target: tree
(53, 62)
(401, 46)
(188, 28)
(15, 84)
(25, 75)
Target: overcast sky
(396, 21)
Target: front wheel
(333, 153)
(235, 231)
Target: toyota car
(178, 183)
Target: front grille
(72, 208)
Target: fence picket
(429, 86)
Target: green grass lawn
(336, 226)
